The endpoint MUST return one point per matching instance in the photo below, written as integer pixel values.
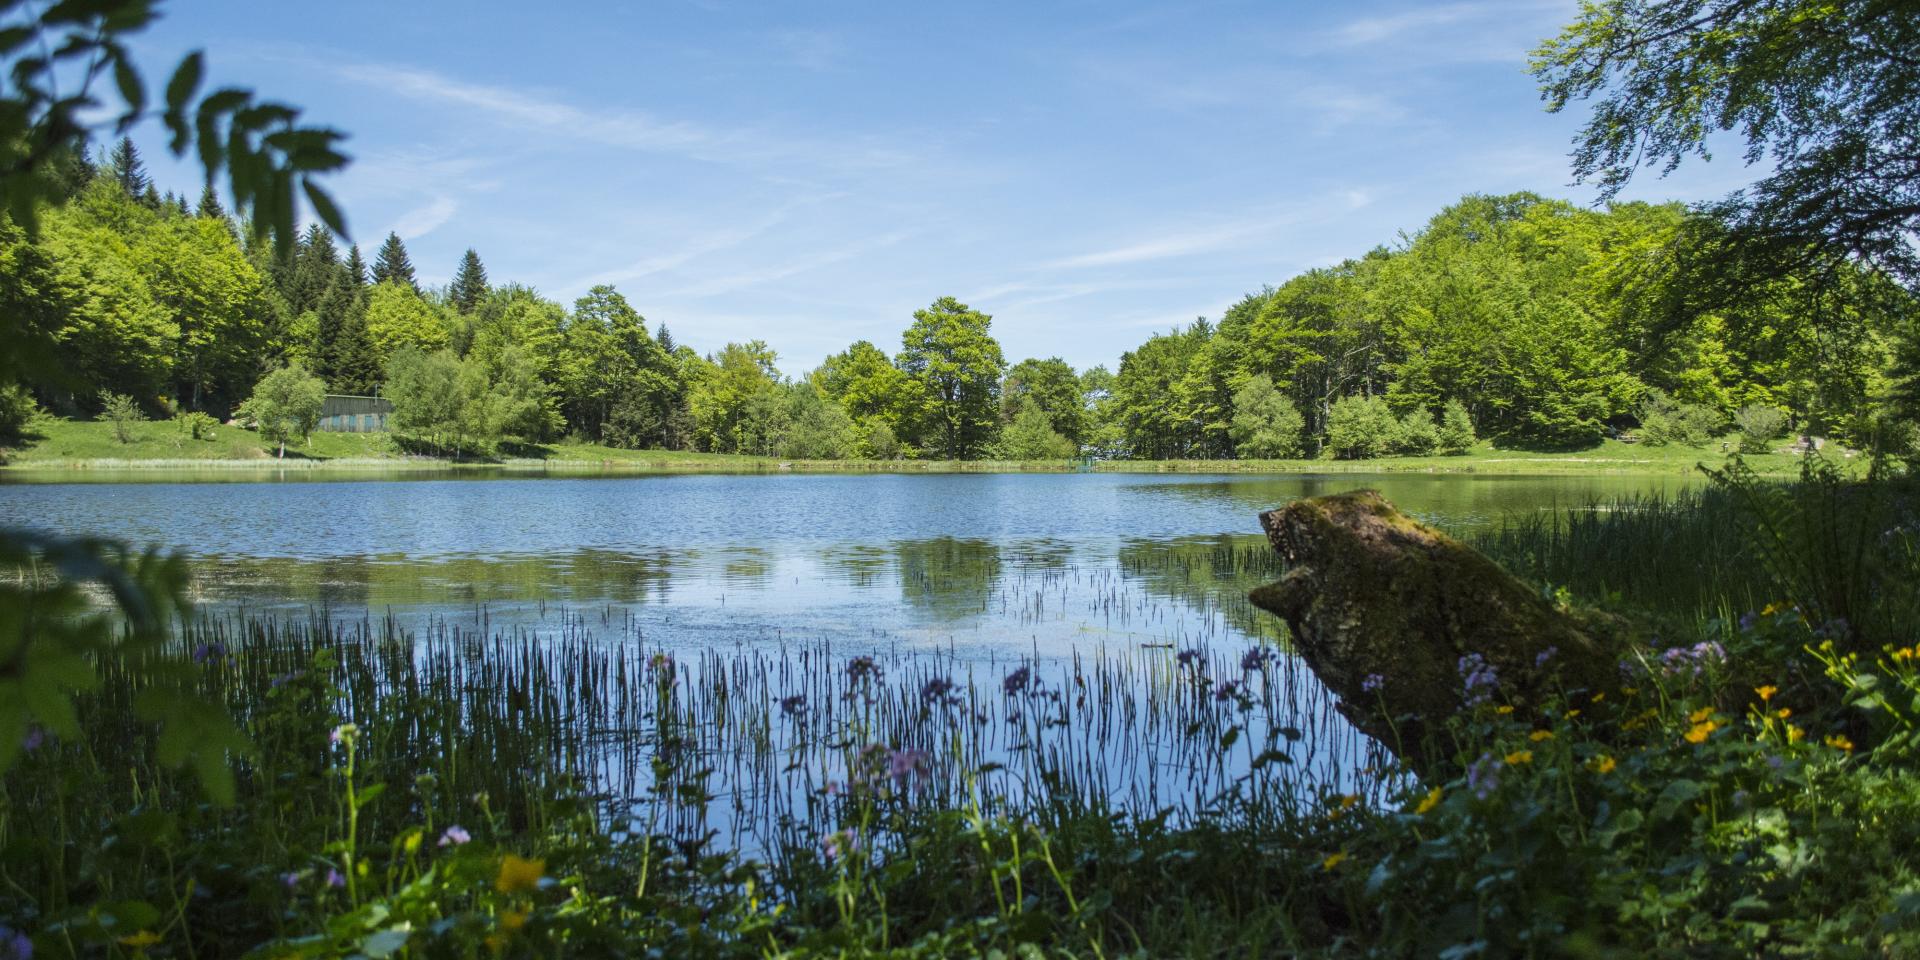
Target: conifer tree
(665, 339)
(210, 204)
(469, 285)
(126, 167)
(392, 263)
(314, 268)
(356, 268)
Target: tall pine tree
(343, 352)
(665, 339)
(469, 285)
(126, 167)
(392, 263)
(356, 268)
(314, 268)
(210, 204)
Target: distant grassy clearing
(58, 444)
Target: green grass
(57, 444)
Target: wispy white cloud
(422, 220)
(1377, 29)
(728, 283)
(1172, 245)
(624, 128)
(691, 249)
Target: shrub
(196, 425)
(286, 403)
(1456, 429)
(1417, 436)
(875, 440)
(16, 411)
(1031, 437)
(1265, 423)
(1759, 426)
(1359, 428)
(120, 410)
(1664, 420)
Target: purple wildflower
(1255, 659)
(1478, 679)
(455, 836)
(209, 651)
(1017, 681)
(334, 879)
(863, 668)
(14, 945)
(290, 879)
(1192, 658)
(1226, 691)
(906, 764)
(794, 705)
(937, 689)
(1545, 656)
(1748, 621)
(1373, 683)
(34, 738)
(1691, 661)
(343, 733)
(837, 845)
(1483, 778)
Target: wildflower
(1700, 731)
(902, 764)
(863, 668)
(1226, 691)
(1795, 734)
(141, 940)
(1783, 712)
(1017, 681)
(1765, 693)
(1478, 679)
(936, 690)
(33, 739)
(1748, 621)
(334, 879)
(343, 733)
(513, 920)
(661, 662)
(1503, 709)
(14, 945)
(1604, 764)
(1347, 801)
(1839, 741)
(1700, 715)
(518, 874)
(1373, 683)
(1570, 714)
(1484, 776)
(1602, 695)
(793, 706)
(1333, 860)
(1428, 802)
(1255, 659)
(455, 836)
(284, 679)
(1545, 656)
(1539, 735)
(1519, 757)
(290, 880)
(840, 844)
(1191, 658)
(1905, 654)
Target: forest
(1530, 322)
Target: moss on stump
(1384, 608)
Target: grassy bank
(57, 444)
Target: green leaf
(132, 90)
(324, 208)
(186, 80)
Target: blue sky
(811, 173)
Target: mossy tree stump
(1385, 609)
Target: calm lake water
(987, 564)
(1095, 625)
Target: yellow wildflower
(1766, 692)
(1795, 734)
(1428, 802)
(1347, 800)
(1783, 712)
(1700, 715)
(513, 920)
(1602, 695)
(141, 940)
(1539, 735)
(1333, 860)
(1769, 609)
(1519, 757)
(1700, 731)
(1839, 741)
(518, 874)
(1504, 709)
(1604, 764)
(1629, 691)
(1570, 714)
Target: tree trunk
(1391, 614)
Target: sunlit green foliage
(285, 404)
(956, 364)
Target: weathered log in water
(1409, 626)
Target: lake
(1094, 626)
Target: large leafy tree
(1052, 386)
(398, 318)
(950, 353)
(865, 382)
(1827, 90)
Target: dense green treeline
(1528, 321)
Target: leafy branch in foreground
(59, 59)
